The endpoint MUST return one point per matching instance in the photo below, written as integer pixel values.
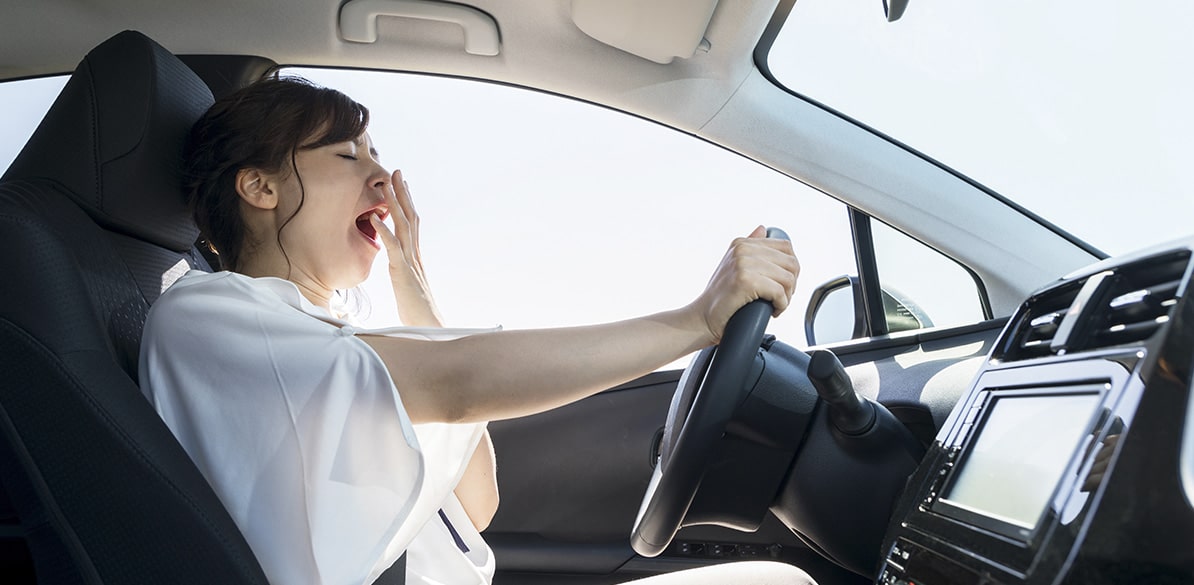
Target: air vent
(1140, 300)
(1034, 331)
(1116, 307)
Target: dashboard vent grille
(1034, 331)
(1120, 306)
(1140, 300)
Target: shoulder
(224, 294)
(241, 323)
(196, 287)
(203, 305)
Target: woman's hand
(412, 294)
(754, 267)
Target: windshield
(1079, 111)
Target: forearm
(508, 374)
(478, 490)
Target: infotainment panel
(1016, 455)
(1060, 465)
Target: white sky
(1078, 110)
(540, 211)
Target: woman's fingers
(403, 241)
(416, 307)
(400, 202)
(770, 267)
(398, 212)
(392, 243)
(754, 267)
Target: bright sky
(541, 211)
(1078, 109)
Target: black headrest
(113, 139)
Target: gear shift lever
(850, 413)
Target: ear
(257, 189)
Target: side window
(542, 211)
(922, 287)
(25, 103)
(918, 288)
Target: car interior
(1049, 442)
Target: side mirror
(836, 312)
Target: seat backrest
(93, 227)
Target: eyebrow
(360, 142)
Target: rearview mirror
(894, 9)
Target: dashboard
(1068, 460)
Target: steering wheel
(709, 392)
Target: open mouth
(366, 227)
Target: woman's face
(330, 242)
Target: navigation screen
(1019, 455)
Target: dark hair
(261, 126)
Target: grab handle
(358, 21)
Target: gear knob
(849, 412)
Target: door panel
(578, 472)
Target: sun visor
(658, 30)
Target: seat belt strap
(452, 530)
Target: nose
(379, 180)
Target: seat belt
(395, 575)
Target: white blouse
(298, 427)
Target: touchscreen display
(1019, 455)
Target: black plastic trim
(763, 49)
(37, 76)
(907, 338)
(652, 379)
(868, 273)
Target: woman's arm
(507, 374)
(478, 490)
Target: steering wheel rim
(721, 388)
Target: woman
(336, 449)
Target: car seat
(93, 227)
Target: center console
(1057, 462)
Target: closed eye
(347, 156)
